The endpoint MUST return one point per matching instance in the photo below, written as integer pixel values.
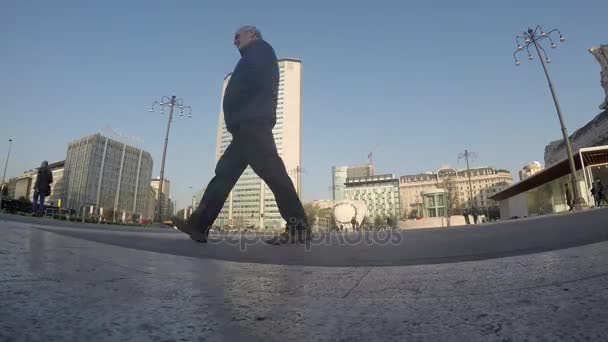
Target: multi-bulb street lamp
(534, 38)
(10, 145)
(170, 102)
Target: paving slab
(61, 287)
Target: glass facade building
(380, 193)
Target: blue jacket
(251, 93)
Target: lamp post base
(580, 204)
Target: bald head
(246, 35)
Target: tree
(312, 212)
(108, 214)
(378, 221)
(325, 218)
(450, 186)
(391, 220)
(5, 191)
(180, 213)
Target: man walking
(250, 102)
(465, 213)
(569, 200)
(42, 188)
(475, 215)
(598, 193)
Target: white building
(484, 182)
(380, 194)
(323, 204)
(530, 169)
(251, 202)
(155, 184)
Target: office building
(104, 173)
(341, 173)
(155, 184)
(360, 170)
(196, 198)
(22, 186)
(338, 181)
(251, 203)
(149, 213)
(380, 193)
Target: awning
(591, 156)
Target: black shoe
(192, 231)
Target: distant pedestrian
(596, 192)
(353, 222)
(475, 215)
(601, 194)
(465, 213)
(42, 188)
(569, 200)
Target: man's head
(246, 35)
(44, 164)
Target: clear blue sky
(416, 82)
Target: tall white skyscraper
(251, 202)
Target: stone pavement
(58, 286)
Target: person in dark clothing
(598, 193)
(595, 191)
(249, 105)
(42, 188)
(569, 200)
(465, 213)
(475, 215)
(353, 222)
(601, 193)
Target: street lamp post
(533, 38)
(10, 145)
(468, 155)
(171, 102)
(297, 171)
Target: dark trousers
(252, 145)
(38, 205)
(599, 198)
